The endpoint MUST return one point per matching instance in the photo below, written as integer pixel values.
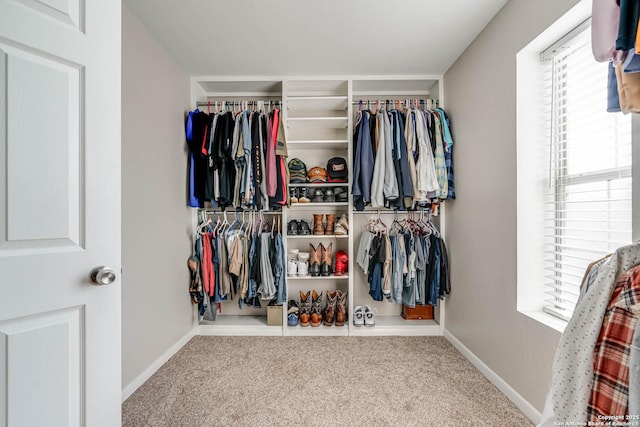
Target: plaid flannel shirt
(610, 391)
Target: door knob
(102, 276)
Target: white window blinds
(587, 209)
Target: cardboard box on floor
(274, 315)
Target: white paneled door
(59, 212)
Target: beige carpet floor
(319, 381)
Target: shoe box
(419, 312)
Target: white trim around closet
(521, 403)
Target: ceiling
(315, 38)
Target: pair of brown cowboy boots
(334, 310)
(321, 260)
(321, 227)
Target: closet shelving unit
(318, 116)
(317, 120)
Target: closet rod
(389, 211)
(211, 212)
(393, 101)
(230, 101)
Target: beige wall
(156, 311)
(480, 95)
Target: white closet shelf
(396, 325)
(245, 325)
(325, 122)
(343, 277)
(319, 144)
(317, 118)
(323, 105)
(316, 205)
(316, 236)
(322, 331)
(320, 185)
(318, 98)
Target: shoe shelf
(320, 184)
(319, 331)
(344, 277)
(317, 236)
(312, 205)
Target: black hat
(337, 170)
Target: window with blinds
(587, 206)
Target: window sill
(547, 320)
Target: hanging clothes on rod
(243, 258)
(237, 156)
(403, 158)
(406, 262)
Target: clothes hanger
(432, 225)
(396, 227)
(200, 229)
(273, 225)
(381, 225)
(225, 223)
(216, 222)
(234, 224)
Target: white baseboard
(130, 388)
(521, 403)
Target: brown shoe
(316, 310)
(314, 260)
(305, 308)
(326, 262)
(318, 228)
(341, 308)
(331, 222)
(330, 309)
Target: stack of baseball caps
(297, 171)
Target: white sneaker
(292, 267)
(358, 316)
(303, 268)
(293, 253)
(369, 320)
